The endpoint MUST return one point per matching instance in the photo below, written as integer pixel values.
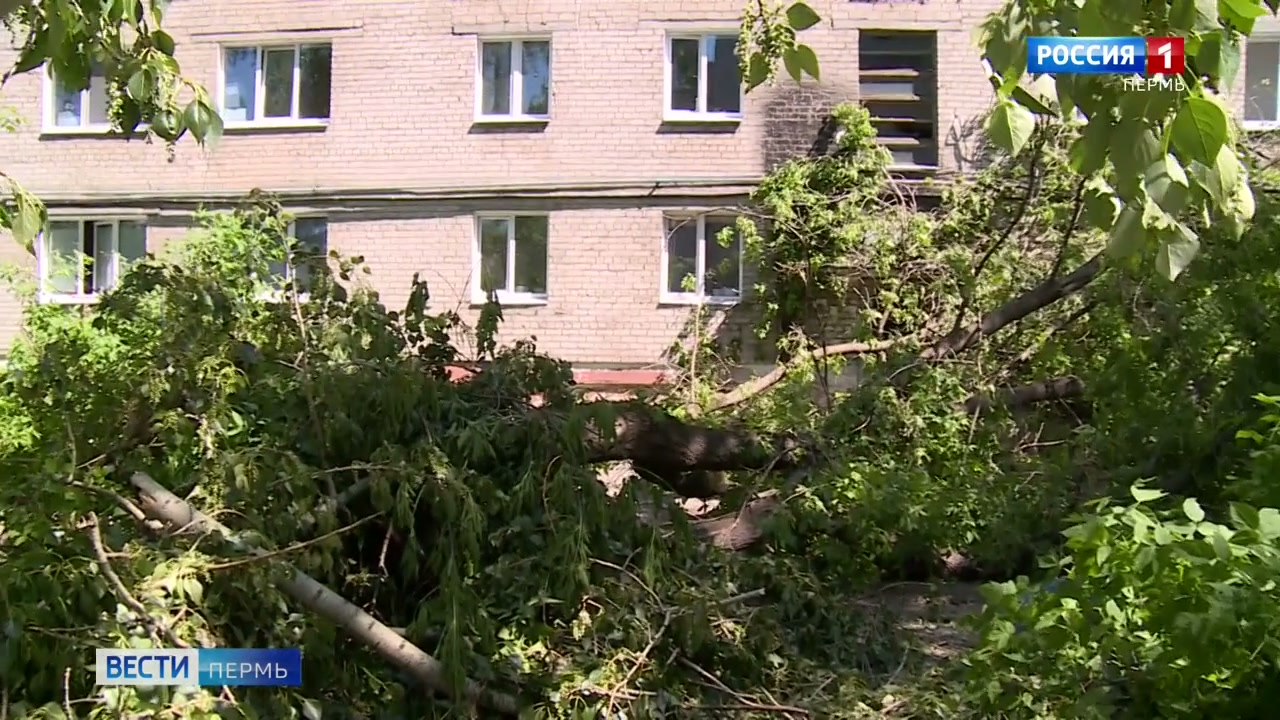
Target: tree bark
(1041, 296)
(676, 453)
(160, 504)
(1018, 396)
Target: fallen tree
(179, 517)
(459, 509)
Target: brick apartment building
(544, 144)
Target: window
(311, 251)
(514, 80)
(898, 86)
(68, 108)
(511, 258)
(696, 265)
(276, 85)
(702, 77)
(78, 259)
(1261, 75)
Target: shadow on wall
(798, 121)
(971, 149)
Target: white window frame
(508, 298)
(50, 114)
(1258, 125)
(277, 294)
(671, 115)
(516, 98)
(259, 87)
(44, 294)
(699, 296)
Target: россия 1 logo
(1106, 56)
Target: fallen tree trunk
(1041, 296)
(680, 455)
(1018, 396)
(160, 504)
(652, 437)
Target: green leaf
(1113, 611)
(802, 17)
(1243, 515)
(1154, 218)
(1221, 181)
(1229, 60)
(1040, 95)
(1177, 252)
(192, 588)
(163, 42)
(1246, 9)
(1199, 130)
(1144, 495)
(202, 121)
(1194, 16)
(1128, 236)
(1269, 523)
(1221, 547)
(791, 62)
(27, 220)
(1101, 206)
(1219, 57)
(806, 59)
(1243, 203)
(1064, 90)
(139, 86)
(1089, 151)
(1134, 148)
(1167, 184)
(1010, 126)
(757, 70)
(34, 53)
(1192, 510)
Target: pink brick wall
(402, 128)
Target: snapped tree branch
(162, 505)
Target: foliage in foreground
(484, 534)
(1160, 612)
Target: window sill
(56, 299)
(912, 168)
(1260, 125)
(693, 300)
(696, 118)
(102, 131)
(512, 119)
(267, 126)
(514, 300)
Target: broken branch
(122, 592)
(750, 389)
(1022, 395)
(163, 505)
(1041, 296)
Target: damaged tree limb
(1018, 396)
(1037, 298)
(674, 453)
(1041, 296)
(750, 389)
(160, 504)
